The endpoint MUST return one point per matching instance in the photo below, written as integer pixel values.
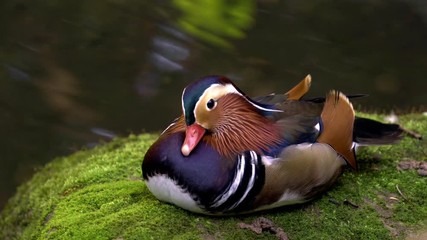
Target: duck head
(216, 110)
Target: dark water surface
(73, 73)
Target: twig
(347, 202)
(334, 201)
(412, 134)
(400, 192)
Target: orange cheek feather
(193, 134)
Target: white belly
(166, 189)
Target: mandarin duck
(230, 154)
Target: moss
(98, 194)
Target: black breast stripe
(247, 182)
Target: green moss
(98, 194)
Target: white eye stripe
(229, 88)
(263, 108)
(215, 91)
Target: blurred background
(77, 73)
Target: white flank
(267, 160)
(288, 198)
(166, 189)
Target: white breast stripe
(230, 191)
(254, 160)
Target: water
(73, 74)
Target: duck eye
(211, 104)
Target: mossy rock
(99, 194)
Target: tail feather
(371, 132)
(338, 119)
